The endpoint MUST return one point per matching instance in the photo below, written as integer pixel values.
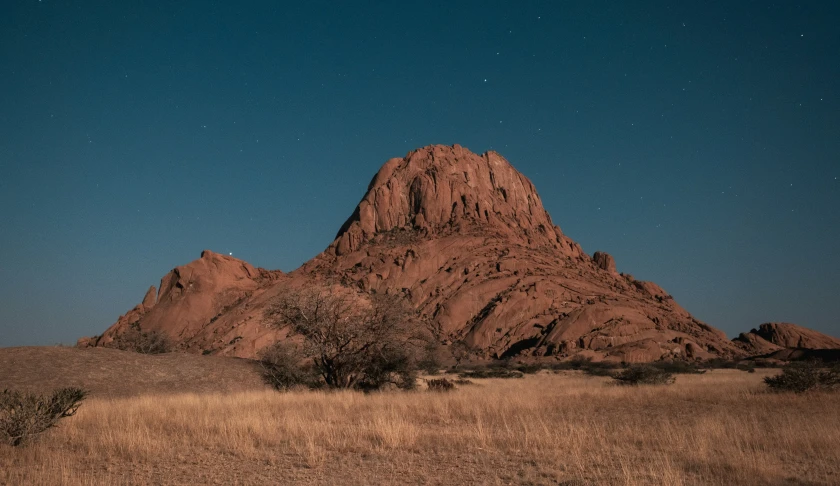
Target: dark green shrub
(601, 368)
(678, 367)
(766, 363)
(720, 363)
(391, 367)
(529, 368)
(576, 363)
(585, 364)
(500, 364)
(139, 341)
(25, 415)
(440, 385)
(491, 373)
(283, 369)
(643, 375)
(805, 376)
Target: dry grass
(716, 428)
(113, 373)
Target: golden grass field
(721, 427)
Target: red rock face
(440, 189)
(193, 297)
(465, 237)
(775, 336)
(604, 261)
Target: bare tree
(354, 342)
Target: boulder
(604, 261)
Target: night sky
(699, 144)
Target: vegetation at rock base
(351, 342)
(800, 377)
(440, 385)
(283, 367)
(140, 341)
(643, 375)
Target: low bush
(678, 367)
(592, 368)
(25, 415)
(139, 341)
(491, 373)
(766, 363)
(282, 368)
(529, 368)
(576, 363)
(440, 385)
(601, 369)
(720, 364)
(800, 377)
(391, 368)
(643, 375)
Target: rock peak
(439, 188)
(771, 336)
(466, 239)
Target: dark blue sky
(699, 144)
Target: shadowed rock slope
(205, 306)
(465, 237)
(776, 336)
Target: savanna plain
(722, 427)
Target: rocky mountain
(194, 298)
(466, 239)
(776, 336)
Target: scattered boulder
(604, 261)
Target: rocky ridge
(193, 298)
(775, 336)
(466, 238)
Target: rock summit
(466, 239)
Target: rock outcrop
(191, 300)
(604, 261)
(466, 238)
(440, 189)
(775, 336)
